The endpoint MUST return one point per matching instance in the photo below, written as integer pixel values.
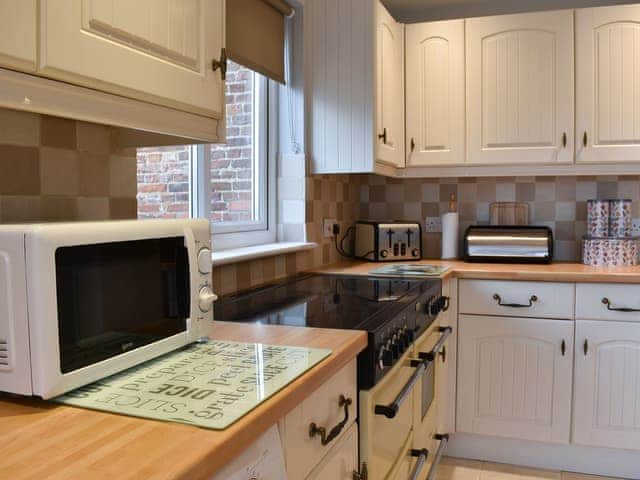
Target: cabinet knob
(221, 64)
(383, 136)
(564, 140)
(584, 140)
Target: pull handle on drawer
(610, 307)
(443, 438)
(391, 410)
(533, 299)
(563, 347)
(422, 455)
(335, 431)
(221, 64)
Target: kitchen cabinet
(607, 384)
(514, 377)
(18, 34)
(435, 106)
(520, 102)
(158, 51)
(389, 60)
(607, 76)
(342, 461)
(355, 85)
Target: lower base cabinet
(607, 384)
(515, 377)
(341, 461)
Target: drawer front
(341, 461)
(517, 299)
(303, 452)
(605, 301)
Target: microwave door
(116, 297)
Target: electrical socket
(635, 227)
(327, 227)
(433, 225)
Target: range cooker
(397, 411)
(393, 312)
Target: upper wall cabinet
(520, 88)
(607, 84)
(18, 34)
(435, 93)
(389, 60)
(158, 51)
(355, 85)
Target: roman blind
(256, 35)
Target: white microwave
(81, 301)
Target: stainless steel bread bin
(508, 244)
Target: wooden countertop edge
(239, 435)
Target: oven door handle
(444, 439)
(422, 455)
(431, 356)
(391, 410)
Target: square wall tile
(93, 175)
(58, 132)
(19, 170)
(59, 172)
(93, 138)
(19, 128)
(122, 176)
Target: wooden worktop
(556, 272)
(44, 440)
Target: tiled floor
(456, 469)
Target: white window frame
(244, 234)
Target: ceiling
(412, 11)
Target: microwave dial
(206, 297)
(204, 261)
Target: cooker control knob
(204, 261)
(206, 297)
(415, 252)
(385, 357)
(411, 335)
(384, 253)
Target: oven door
(386, 417)
(101, 305)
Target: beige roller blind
(255, 35)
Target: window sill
(235, 255)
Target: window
(231, 184)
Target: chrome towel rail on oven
(422, 459)
(444, 438)
(431, 356)
(391, 410)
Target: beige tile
(459, 469)
(19, 170)
(19, 128)
(58, 132)
(498, 471)
(58, 171)
(93, 138)
(94, 173)
(123, 208)
(17, 209)
(95, 208)
(59, 209)
(123, 180)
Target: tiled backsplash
(53, 169)
(557, 202)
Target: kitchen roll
(450, 235)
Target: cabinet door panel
(18, 34)
(514, 380)
(342, 461)
(155, 50)
(389, 87)
(520, 88)
(435, 93)
(608, 73)
(607, 391)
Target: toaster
(388, 241)
(508, 244)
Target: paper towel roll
(450, 235)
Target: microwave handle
(391, 410)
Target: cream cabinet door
(607, 79)
(520, 88)
(389, 57)
(514, 377)
(18, 21)
(607, 384)
(154, 50)
(435, 93)
(342, 461)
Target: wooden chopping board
(509, 213)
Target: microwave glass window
(115, 297)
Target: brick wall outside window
(163, 172)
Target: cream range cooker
(397, 372)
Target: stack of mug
(609, 240)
